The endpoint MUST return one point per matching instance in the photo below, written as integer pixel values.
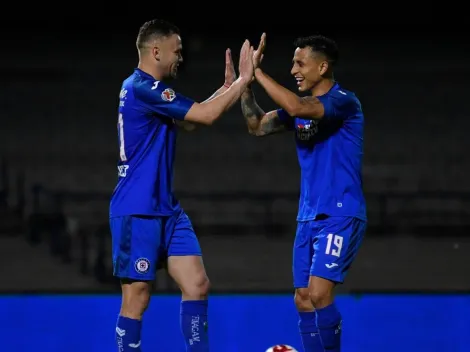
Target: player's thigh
(336, 246)
(136, 246)
(302, 254)
(185, 263)
(180, 237)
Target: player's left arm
(185, 125)
(310, 108)
(188, 126)
(217, 93)
(230, 77)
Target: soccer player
(328, 128)
(147, 223)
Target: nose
(294, 70)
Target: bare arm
(259, 123)
(216, 93)
(209, 111)
(188, 126)
(230, 76)
(306, 107)
(185, 125)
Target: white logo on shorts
(142, 265)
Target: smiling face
(160, 49)
(308, 68)
(168, 55)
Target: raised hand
(245, 65)
(230, 74)
(259, 52)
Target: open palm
(230, 74)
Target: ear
(324, 67)
(156, 53)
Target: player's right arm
(260, 123)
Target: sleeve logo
(155, 85)
(168, 94)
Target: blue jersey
(147, 138)
(330, 152)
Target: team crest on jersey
(306, 129)
(168, 94)
(142, 265)
(281, 348)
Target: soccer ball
(281, 348)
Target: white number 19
(122, 149)
(334, 240)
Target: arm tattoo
(309, 100)
(251, 110)
(259, 123)
(271, 123)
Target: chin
(306, 87)
(174, 71)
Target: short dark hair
(321, 44)
(155, 28)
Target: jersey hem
(166, 213)
(312, 218)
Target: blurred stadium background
(408, 287)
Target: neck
(150, 69)
(322, 87)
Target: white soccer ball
(281, 348)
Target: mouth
(174, 70)
(299, 80)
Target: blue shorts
(142, 243)
(326, 248)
